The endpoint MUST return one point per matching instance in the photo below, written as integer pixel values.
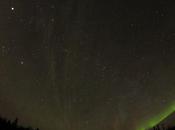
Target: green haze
(157, 119)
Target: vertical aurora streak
(87, 65)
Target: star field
(86, 65)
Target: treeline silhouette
(158, 127)
(13, 125)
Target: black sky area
(86, 64)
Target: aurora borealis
(87, 64)
(156, 119)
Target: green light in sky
(157, 119)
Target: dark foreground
(12, 125)
(163, 128)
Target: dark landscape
(13, 125)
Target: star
(12, 8)
(21, 62)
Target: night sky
(86, 64)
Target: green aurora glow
(157, 119)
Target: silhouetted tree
(8, 125)
(162, 127)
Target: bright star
(12, 8)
